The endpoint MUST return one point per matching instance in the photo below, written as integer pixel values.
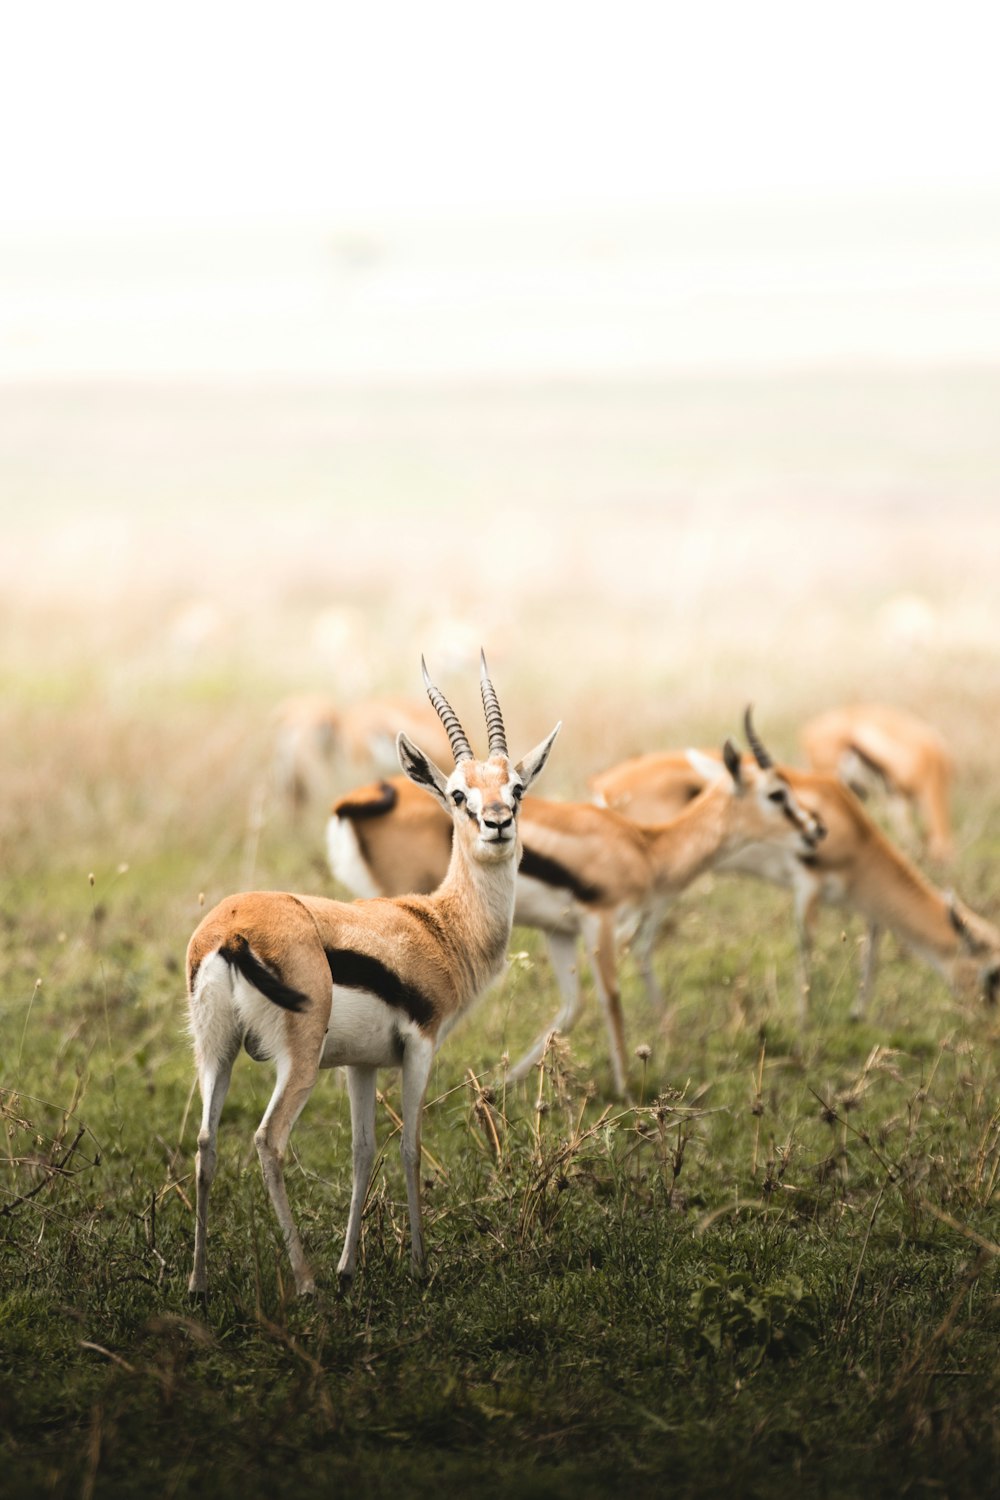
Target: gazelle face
(484, 800)
(979, 949)
(482, 797)
(774, 794)
(780, 808)
(769, 809)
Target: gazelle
(312, 983)
(314, 736)
(585, 872)
(873, 746)
(855, 867)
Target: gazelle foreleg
(417, 1059)
(562, 955)
(869, 964)
(599, 936)
(361, 1092)
(807, 894)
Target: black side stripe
(359, 971)
(237, 953)
(551, 872)
(372, 807)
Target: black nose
(499, 817)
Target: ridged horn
(760, 754)
(494, 718)
(460, 747)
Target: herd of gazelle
(586, 872)
(310, 983)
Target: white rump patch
(347, 863)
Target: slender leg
(869, 964)
(417, 1061)
(806, 906)
(361, 1092)
(643, 946)
(296, 1077)
(599, 935)
(213, 1079)
(562, 954)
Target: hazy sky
(117, 111)
(131, 129)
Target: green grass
(775, 1273)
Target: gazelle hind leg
(213, 1078)
(562, 954)
(296, 1076)
(361, 1092)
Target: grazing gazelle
(856, 867)
(873, 746)
(312, 983)
(585, 872)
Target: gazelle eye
(777, 796)
(517, 792)
(458, 798)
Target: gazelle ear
(733, 764)
(421, 769)
(533, 763)
(711, 771)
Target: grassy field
(776, 1270)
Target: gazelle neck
(476, 899)
(683, 848)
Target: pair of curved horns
(457, 738)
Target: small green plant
(739, 1317)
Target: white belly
(363, 1030)
(766, 861)
(539, 905)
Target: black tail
(367, 802)
(237, 953)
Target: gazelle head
(768, 802)
(482, 798)
(979, 942)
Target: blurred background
(655, 347)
